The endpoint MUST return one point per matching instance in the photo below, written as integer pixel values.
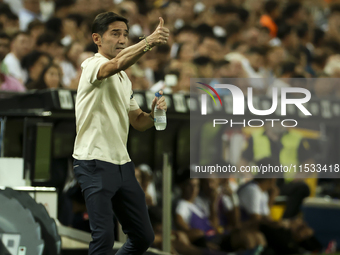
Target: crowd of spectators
(274, 40)
(218, 216)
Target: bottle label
(160, 119)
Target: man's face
(21, 45)
(191, 189)
(113, 41)
(4, 48)
(256, 60)
(75, 52)
(36, 70)
(210, 185)
(32, 5)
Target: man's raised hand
(160, 35)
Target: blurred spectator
(20, 46)
(70, 64)
(272, 9)
(64, 8)
(51, 77)
(5, 42)
(274, 59)
(30, 12)
(9, 20)
(284, 237)
(49, 43)
(193, 220)
(147, 184)
(55, 25)
(281, 144)
(81, 58)
(34, 63)
(187, 71)
(180, 243)
(72, 27)
(9, 83)
(15, 5)
(286, 71)
(35, 29)
(211, 47)
(293, 14)
(209, 199)
(204, 67)
(288, 38)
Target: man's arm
(142, 121)
(130, 55)
(193, 234)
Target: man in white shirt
(20, 46)
(30, 12)
(254, 199)
(105, 108)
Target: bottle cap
(157, 94)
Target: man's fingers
(161, 22)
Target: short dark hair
(302, 30)
(202, 61)
(257, 50)
(3, 35)
(63, 3)
(185, 28)
(103, 20)
(31, 58)
(334, 8)
(35, 23)
(283, 31)
(270, 6)
(55, 25)
(291, 9)
(18, 34)
(288, 67)
(226, 9)
(46, 38)
(40, 83)
(78, 18)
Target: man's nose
(121, 39)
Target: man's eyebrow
(118, 30)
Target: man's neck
(16, 55)
(190, 199)
(104, 55)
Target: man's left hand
(161, 104)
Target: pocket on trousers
(84, 165)
(89, 165)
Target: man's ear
(97, 39)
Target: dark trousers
(113, 189)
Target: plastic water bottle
(159, 116)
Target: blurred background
(269, 43)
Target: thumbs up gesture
(160, 35)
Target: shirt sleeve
(183, 210)
(91, 68)
(250, 200)
(227, 203)
(133, 103)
